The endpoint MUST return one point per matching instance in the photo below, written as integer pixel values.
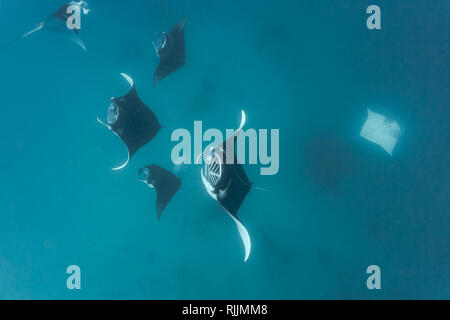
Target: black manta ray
(164, 181)
(131, 120)
(58, 22)
(227, 182)
(170, 48)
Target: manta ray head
(113, 113)
(160, 42)
(212, 167)
(144, 175)
(84, 6)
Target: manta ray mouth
(213, 169)
(144, 174)
(160, 42)
(113, 113)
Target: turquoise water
(308, 68)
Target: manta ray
(164, 181)
(58, 22)
(227, 182)
(381, 131)
(131, 120)
(170, 48)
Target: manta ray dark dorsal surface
(131, 120)
(165, 183)
(61, 13)
(136, 124)
(234, 185)
(173, 54)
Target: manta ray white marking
(122, 165)
(243, 120)
(241, 126)
(39, 27)
(77, 40)
(101, 122)
(244, 236)
(129, 79)
(82, 4)
(380, 130)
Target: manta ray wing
(165, 183)
(379, 130)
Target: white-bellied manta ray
(58, 22)
(165, 183)
(381, 130)
(227, 182)
(131, 120)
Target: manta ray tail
(261, 189)
(243, 233)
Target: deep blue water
(308, 68)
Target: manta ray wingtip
(243, 119)
(123, 165)
(102, 123)
(128, 78)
